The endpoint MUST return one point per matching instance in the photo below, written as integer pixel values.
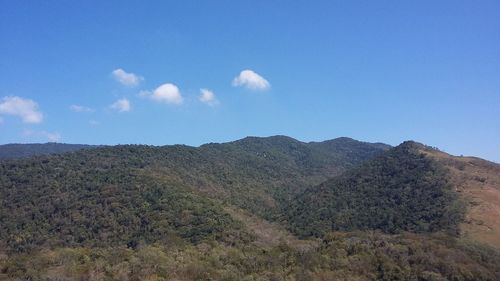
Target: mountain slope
(122, 194)
(401, 190)
(478, 183)
(14, 150)
(187, 213)
(268, 172)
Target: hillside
(339, 256)
(268, 208)
(478, 183)
(15, 150)
(124, 194)
(401, 190)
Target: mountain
(270, 208)
(411, 187)
(401, 190)
(14, 150)
(122, 194)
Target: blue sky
(133, 72)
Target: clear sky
(192, 72)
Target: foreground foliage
(339, 256)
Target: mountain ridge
(25, 150)
(258, 175)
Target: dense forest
(401, 190)
(255, 209)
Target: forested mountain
(16, 150)
(401, 190)
(122, 194)
(355, 211)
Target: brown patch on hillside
(478, 182)
(267, 234)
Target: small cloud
(251, 80)
(166, 93)
(26, 109)
(208, 97)
(144, 94)
(127, 79)
(121, 105)
(49, 136)
(94, 122)
(80, 108)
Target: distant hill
(15, 150)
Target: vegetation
(184, 213)
(124, 194)
(338, 256)
(103, 203)
(401, 190)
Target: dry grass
(478, 182)
(267, 234)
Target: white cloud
(49, 136)
(26, 109)
(144, 93)
(251, 80)
(208, 97)
(121, 105)
(167, 93)
(93, 122)
(80, 108)
(127, 79)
